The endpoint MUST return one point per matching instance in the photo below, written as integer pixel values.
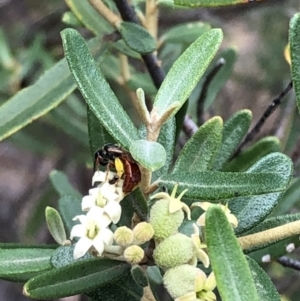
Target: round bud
(123, 236)
(175, 250)
(142, 233)
(133, 254)
(180, 281)
(163, 222)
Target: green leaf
(98, 135)
(290, 199)
(199, 152)
(134, 202)
(220, 79)
(264, 286)
(123, 289)
(252, 154)
(156, 284)
(62, 185)
(209, 3)
(142, 80)
(122, 47)
(137, 38)
(37, 100)
(253, 209)
(190, 66)
(7, 60)
(64, 256)
(294, 39)
(185, 33)
(89, 17)
(215, 186)
(167, 139)
(74, 127)
(235, 128)
(74, 279)
(21, 262)
(150, 155)
(139, 276)
(70, 19)
(55, 225)
(234, 280)
(95, 89)
(69, 206)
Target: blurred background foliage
(255, 37)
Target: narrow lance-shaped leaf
(210, 3)
(294, 38)
(235, 128)
(55, 225)
(222, 76)
(62, 185)
(96, 90)
(21, 262)
(234, 280)
(264, 286)
(199, 152)
(186, 72)
(98, 135)
(75, 279)
(215, 186)
(84, 11)
(37, 100)
(252, 210)
(254, 153)
(137, 38)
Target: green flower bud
(163, 222)
(134, 254)
(142, 233)
(180, 281)
(175, 250)
(123, 236)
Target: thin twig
(268, 112)
(104, 11)
(189, 126)
(209, 78)
(289, 263)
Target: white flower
(93, 232)
(108, 191)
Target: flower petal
(201, 220)
(99, 176)
(78, 231)
(113, 210)
(81, 218)
(232, 220)
(98, 245)
(87, 202)
(200, 281)
(81, 247)
(94, 192)
(201, 255)
(106, 235)
(210, 283)
(95, 213)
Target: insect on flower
(121, 161)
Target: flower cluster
(103, 208)
(178, 254)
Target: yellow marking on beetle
(119, 167)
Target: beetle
(113, 156)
